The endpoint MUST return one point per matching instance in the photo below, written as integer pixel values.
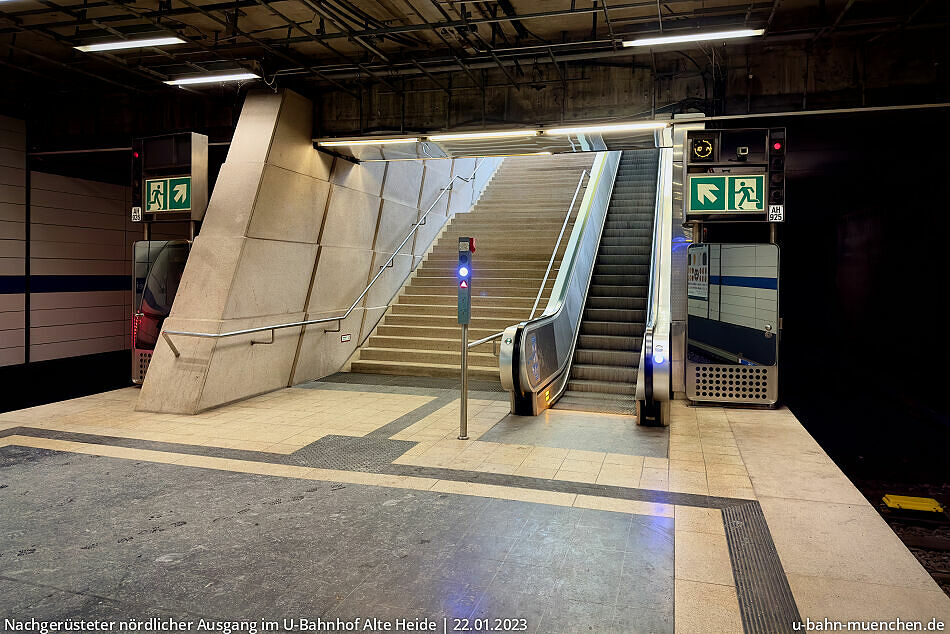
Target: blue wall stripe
(748, 282)
(10, 284)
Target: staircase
(516, 223)
(607, 356)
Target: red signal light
(777, 145)
(135, 154)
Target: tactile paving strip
(349, 453)
(765, 598)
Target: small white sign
(345, 338)
(776, 213)
(136, 214)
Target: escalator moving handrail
(654, 287)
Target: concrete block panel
(14, 247)
(255, 129)
(395, 221)
(463, 167)
(41, 181)
(365, 177)
(240, 370)
(342, 274)
(461, 198)
(371, 319)
(403, 182)
(322, 354)
(390, 282)
(174, 384)
(206, 282)
(233, 199)
(351, 219)
(290, 206)
(437, 175)
(428, 232)
(292, 146)
(271, 278)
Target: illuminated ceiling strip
(462, 136)
(365, 142)
(123, 44)
(606, 129)
(211, 79)
(694, 37)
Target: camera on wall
(742, 153)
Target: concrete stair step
(448, 357)
(435, 332)
(493, 324)
(440, 370)
(478, 301)
(513, 315)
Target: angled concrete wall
(292, 234)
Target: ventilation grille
(732, 383)
(140, 363)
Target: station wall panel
(12, 240)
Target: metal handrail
(325, 320)
(557, 244)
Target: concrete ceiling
(342, 45)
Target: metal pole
(463, 405)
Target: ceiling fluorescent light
(122, 44)
(211, 79)
(693, 37)
(606, 129)
(462, 136)
(366, 142)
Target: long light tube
(123, 44)
(694, 37)
(606, 129)
(211, 79)
(366, 142)
(482, 135)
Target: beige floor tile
(656, 463)
(695, 456)
(704, 608)
(494, 467)
(718, 458)
(785, 476)
(656, 479)
(731, 492)
(688, 465)
(727, 481)
(635, 507)
(582, 466)
(696, 519)
(842, 541)
(623, 459)
(726, 469)
(586, 456)
(688, 482)
(821, 598)
(536, 472)
(619, 480)
(703, 557)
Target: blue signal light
(658, 358)
(463, 271)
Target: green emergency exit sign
(168, 194)
(743, 193)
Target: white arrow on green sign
(726, 193)
(168, 194)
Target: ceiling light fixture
(211, 79)
(606, 129)
(463, 136)
(366, 142)
(694, 37)
(123, 44)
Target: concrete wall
(291, 234)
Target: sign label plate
(715, 193)
(776, 213)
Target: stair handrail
(557, 245)
(324, 320)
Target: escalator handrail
(654, 282)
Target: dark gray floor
(91, 537)
(567, 429)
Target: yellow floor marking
(556, 498)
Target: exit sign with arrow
(726, 194)
(168, 194)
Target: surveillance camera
(742, 152)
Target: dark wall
(864, 290)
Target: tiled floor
(574, 521)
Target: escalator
(602, 342)
(607, 354)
